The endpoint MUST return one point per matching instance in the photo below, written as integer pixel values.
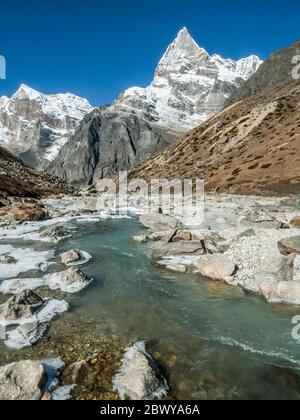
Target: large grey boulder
(75, 257)
(159, 222)
(72, 280)
(289, 246)
(263, 283)
(22, 381)
(162, 249)
(70, 257)
(22, 306)
(286, 292)
(74, 275)
(139, 377)
(56, 232)
(216, 267)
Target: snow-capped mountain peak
(35, 126)
(189, 85)
(25, 91)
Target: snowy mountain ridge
(189, 85)
(35, 126)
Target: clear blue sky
(97, 48)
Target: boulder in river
(216, 267)
(159, 222)
(70, 281)
(71, 256)
(286, 292)
(162, 249)
(56, 232)
(25, 335)
(21, 306)
(7, 259)
(139, 377)
(289, 246)
(22, 381)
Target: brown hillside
(252, 147)
(20, 180)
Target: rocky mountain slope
(273, 73)
(252, 147)
(19, 180)
(34, 126)
(188, 87)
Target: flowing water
(213, 340)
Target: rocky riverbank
(245, 242)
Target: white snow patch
(27, 259)
(51, 308)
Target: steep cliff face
(34, 126)
(106, 142)
(252, 147)
(189, 86)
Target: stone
(6, 259)
(264, 283)
(286, 292)
(22, 381)
(70, 257)
(182, 235)
(74, 373)
(283, 225)
(159, 222)
(25, 335)
(73, 275)
(295, 221)
(285, 268)
(216, 267)
(289, 245)
(141, 239)
(21, 306)
(139, 377)
(162, 249)
(177, 268)
(166, 236)
(247, 234)
(260, 284)
(56, 232)
(260, 217)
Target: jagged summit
(189, 85)
(183, 54)
(26, 91)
